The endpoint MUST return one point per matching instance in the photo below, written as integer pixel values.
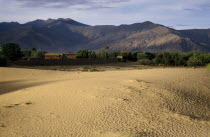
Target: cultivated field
(153, 102)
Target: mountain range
(67, 35)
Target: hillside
(65, 35)
(201, 36)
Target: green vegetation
(92, 54)
(106, 47)
(3, 60)
(194, 59)
(145, 62)
(82, 54)
(11, 50)
(102, 55)
(141, 56)
(63, 57)
(92, 69)
(208, 66)
(89, 69)
(33, 53)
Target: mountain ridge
(67, 35)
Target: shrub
(89, 69)
(92, 69)
(208, 66)
(145, 62)
(3, 60)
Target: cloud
(67, 3)
(95, 7)
(182, 25)
(111, 12)
(189, 9)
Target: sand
(162, 102)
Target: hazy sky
(179, 14)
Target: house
(59, 55)
(52, 56)
(121, 58)
(70, 55)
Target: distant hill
(67, 35)
(200, 36)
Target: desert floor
(158, 102)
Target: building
(70, 55)
(60, 56)
(52, 56)
(121, 58)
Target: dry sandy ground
(170, 102)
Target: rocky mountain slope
(67, 35)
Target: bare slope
(65, 35)
(153, 102)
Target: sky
(177, 14)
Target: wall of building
(52, 57)
(70, 56)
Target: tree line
(12, 52)
(195, 58)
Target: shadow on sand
(11, 86)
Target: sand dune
(130, 103)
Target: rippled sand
(154, 102)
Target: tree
(127, 55)
(141, 56)
(63, 57)
(26, 53)
(163, 58)
(149, 55)
(3, 60)
(92, 54)
(34, 54)
(82, 54)
(104, 55)
(114, 54)
(33, 49)
(12, 51)
(194, 61)
(134, 55)
(205, 58)
(106, 47)
(1, 51)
